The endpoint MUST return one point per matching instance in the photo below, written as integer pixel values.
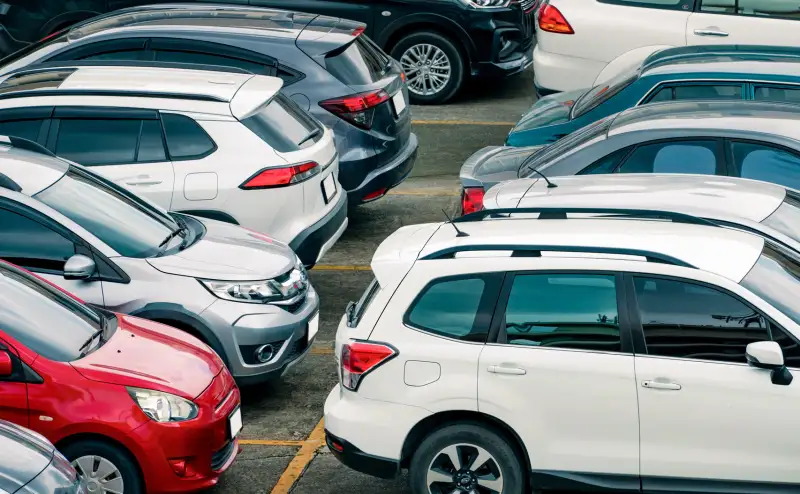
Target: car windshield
(776, 278)
(128, 225)
(359, 63)
(603, 92)
(786, 219)
(43, 318)
(565, 146)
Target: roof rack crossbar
(103, 92)
(76, 64)
(561, 213)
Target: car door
(561, 375)
(765, 161)
(753, 22)
(30, 240)
(355, 10)
(704, 414)
(13, 389)
(130, 152)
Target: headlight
(286, 289)
(487, 4)
(163, 407)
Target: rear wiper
(314, 133)
(350, 312)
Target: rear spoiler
(325, 34)
(254, 94)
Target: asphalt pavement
(283, 449)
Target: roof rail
(105, 92)
(31, 69)
(560, 213)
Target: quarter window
(32, 245)
(606, 164)
(563, 311)
(687, 320)
(697, 157)
(185, 138)
(450, 308)
(766, 163)
(777, 93)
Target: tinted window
(151, 142)
(687, 320)
(704, 91)
(208, 59)
(45, 321)
(563, 311)
(362, 62)
(606, 164)
(116, 55)
(777, 93)
(185, 137)
(765, 8)
(284, 125)
(766, 163)
(27, 129)
(786, 219)
(79, 141)
(566, 146)
(30, 244)
(664, 94)
(673, 157)
(449, 308)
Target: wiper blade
(89, 341)
(172, 235)
(314, 133)
(350, 312)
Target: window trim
(683, 5)
(699, 9)
(100, 47)
(733, 170)
(493, 282)
(719, 154)
(694, 82)
(497, 335)
(193, 157)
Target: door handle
(142, 181)
(658, 384)
(710, 32)
(513, 371)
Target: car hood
(230, 253)
(150, 355)
(24, 455)
(550, 110)
(494, 164)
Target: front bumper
(313, 242)
(385, 177)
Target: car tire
(92, 457)
(413, 48)
(501, 471)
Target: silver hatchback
(243, 293)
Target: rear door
(754, 22)
(356, 10)
(124, 145)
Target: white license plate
(235, 422)
(313, 327)
(399, 102)
(329, 188)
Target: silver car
(243, 293)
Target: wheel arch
(93, 436)
(395, 31)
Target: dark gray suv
(328, 65)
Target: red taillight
(357, 31)
(552, 20)
(375, 194)
(471, 200)
(280, 177)
(359, 358)
(357, 109)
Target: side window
(791, 350)
(654, 4)
(777, 93)
(27, 129)
(32, 245)
(759, 8)
(687, 320)
(116, 55)
(209, 59)
(450, 308)
(185, 138)
(707, 91)
(606, 164)
(698, 157)
(151, 142)
(766, 163)
(78, 141)
(663, 94)
(563, 311)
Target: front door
(744, 22)
(562, 378)
(13, 393)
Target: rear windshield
(284, 126)
(565, 146)
(602, 93)
(359, 63)
(786, 219)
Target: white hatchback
(495, 354)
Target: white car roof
(33, 171)
(712, 197)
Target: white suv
(627, 354)
(221, 145)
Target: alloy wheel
(427, 68)
(102, 476)
(464, 469)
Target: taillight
(552, 20)
(471, 200)
(359, 358)
(357, 31)
(281, 176)
(357, 109)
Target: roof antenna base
(459, 233)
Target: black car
(439, 43)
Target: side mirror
(6, 365)
(768, 355)
(79, 267)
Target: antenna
(550, 185)
(459, 233)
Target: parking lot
(282, 441)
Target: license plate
(235, 422)
(399, 102)
(328, 188)
(313, 327)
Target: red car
(134, 405)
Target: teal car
(711, 72)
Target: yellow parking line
(264, 442)
(321, 350)
(461, 122)
(335, 267)
(301, 460)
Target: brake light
(471, 200)
(357, 31)
(357, 109)
(360, 358)
(281, 177)
(552, 20)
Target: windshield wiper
(314, 133)
(350, 313)
(89, 341)
(181, 230)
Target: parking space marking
(262, 442)
(462, 122)
(301, 460)
(322, 350)
(335, 267)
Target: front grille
(221, 456)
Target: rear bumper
(385, 177)
(354, 458)
(313, 242)
(555, 73)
